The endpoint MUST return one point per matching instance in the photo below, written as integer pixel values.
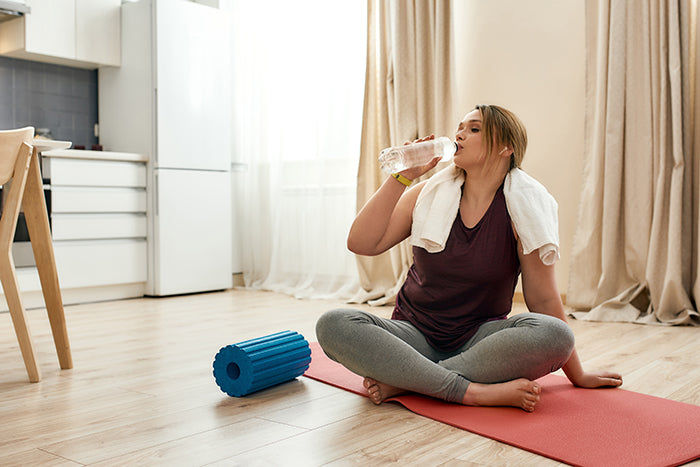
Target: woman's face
(469, 150)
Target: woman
(449, 336)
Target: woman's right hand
(386, 218)
(419, 171)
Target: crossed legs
(496, 366)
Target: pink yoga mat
(587, 427)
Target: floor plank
(334, 441)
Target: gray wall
(60, 98)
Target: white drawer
(97, 226)
(100, 262)
(75, 172)
(79, 199)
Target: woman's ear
(505, 149)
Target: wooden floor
(142, 391)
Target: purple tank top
(449, 294)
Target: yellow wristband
(402, 179)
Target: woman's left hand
(598, 379)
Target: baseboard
(238, 280)
(34, 299)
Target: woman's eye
(474, 130)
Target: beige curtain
(408, 93)
(635, 253)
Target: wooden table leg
(36, 215)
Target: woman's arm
(542, 296)
(386, 218)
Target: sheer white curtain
(298, 73)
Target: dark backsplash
(60, 98)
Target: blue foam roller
(255, 364)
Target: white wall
(529, 56)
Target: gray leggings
(396, 353)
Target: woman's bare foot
(379, 392)
(521, 393)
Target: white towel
(436, 209)
(532, 209)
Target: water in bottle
(398, 158)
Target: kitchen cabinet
(98, 216)
(98, 31)
(80, 33)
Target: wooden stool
(19, 164)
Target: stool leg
(19, 316)
(40, 235)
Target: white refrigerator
(170, 99)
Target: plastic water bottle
(398, 158)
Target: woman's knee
(333, 325)
(559, 337)
(552, 335)
(327, 324)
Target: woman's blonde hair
(501, 127)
